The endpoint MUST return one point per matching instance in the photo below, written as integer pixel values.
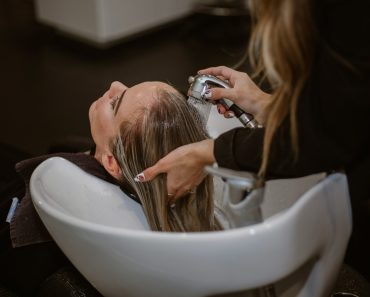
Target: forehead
(140, 96)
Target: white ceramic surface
(105, 235)
(103, 22)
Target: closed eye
(116, 102)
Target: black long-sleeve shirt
(333, 119)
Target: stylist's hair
(282, 49)
(155, 131)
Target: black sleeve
(334, 108)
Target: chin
(91, 121)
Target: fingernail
(230, 114)
(140, 177)
(208, 94)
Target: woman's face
(119, 103)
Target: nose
(116, 88)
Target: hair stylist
(316, 57)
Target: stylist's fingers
(174, 190)
(228, 73)
(221, 109)
(225, 112)
(184, 167)
(190, 187)
(150, 173)
(219, 93)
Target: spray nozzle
(199, 85)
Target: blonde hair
(157, 130)
(282, 48)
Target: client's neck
(98, 155)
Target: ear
(111, 165)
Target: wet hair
(155, 130)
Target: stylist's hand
(243, 92)
(184, 167)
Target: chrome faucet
(242, 196)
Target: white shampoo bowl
(298, 250)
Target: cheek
(91, 112)
(101, 126)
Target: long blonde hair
(282, 48)
(158, 129)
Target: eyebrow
(119, 102)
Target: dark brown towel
(26, 227)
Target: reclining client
(132, 128)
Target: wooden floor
(48, 81)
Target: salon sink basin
(296, 251)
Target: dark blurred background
(48, 80)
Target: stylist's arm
(184, 167)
